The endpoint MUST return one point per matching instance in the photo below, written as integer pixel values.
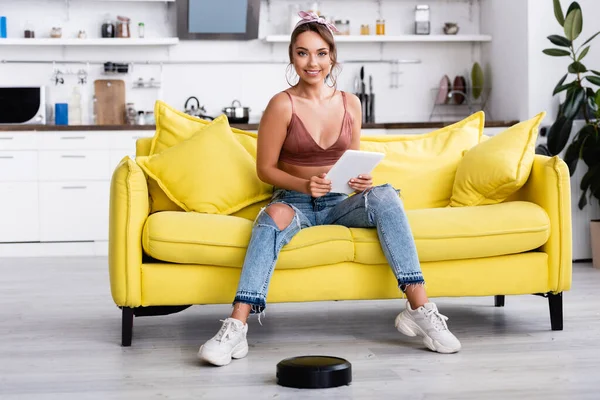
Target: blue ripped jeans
(378, 207)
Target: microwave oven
(23, 105)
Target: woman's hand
(361, 183)
(319, 186)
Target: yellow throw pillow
(210, 172)
(174, 126)
(423, 166)
(497, 167)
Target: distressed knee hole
(282, 214)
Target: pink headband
(312, 17)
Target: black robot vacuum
(314, 372)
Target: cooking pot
(237, 114)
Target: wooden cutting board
(110, 101)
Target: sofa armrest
(549, 186)
(128, 212)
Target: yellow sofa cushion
(423, 166)
(210, 172)
(440, 234)
(496, 168)
(173, 127)
(466, 232)
(221, 240)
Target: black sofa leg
(499, 300)
(556, 311)
(127, 327)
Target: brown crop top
(299, 147)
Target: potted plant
(582, 101)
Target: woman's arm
(271, 135)
(361, 182)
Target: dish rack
(458, 103)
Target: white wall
(216, 85)
(506, 57)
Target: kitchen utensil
(237, 113)
(371, 108)
(196, 110)
(459, 89)
(443, 90)
(364, 98)
(110, 101)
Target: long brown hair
(327, 36)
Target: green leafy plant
(581, 102)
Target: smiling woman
(303, 132)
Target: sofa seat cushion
(452, 233)
(221, 240)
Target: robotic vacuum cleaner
(314, 372)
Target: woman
(303, 132)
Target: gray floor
(60, 333)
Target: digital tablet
(351, 164)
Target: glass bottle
(422, 23)
(141, 30)
(380, 27)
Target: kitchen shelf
(90, 42)
(391, 39)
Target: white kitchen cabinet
(18, 166)
(67, 165)
(19, 215)
(75, 140)
(18, 141)
(74, 211)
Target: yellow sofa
(162, 262)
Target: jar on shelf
(122, 28)
(141, 30)
(380, 27)
(56, 32)
(29, 32)
(365, 29)
(343, 26)
(108, 28)
(422, 24)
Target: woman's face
(311, 57)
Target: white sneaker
(428, 323)
(230, 342)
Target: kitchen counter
(386, 125)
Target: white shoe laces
(226, 329)
(437, 320)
